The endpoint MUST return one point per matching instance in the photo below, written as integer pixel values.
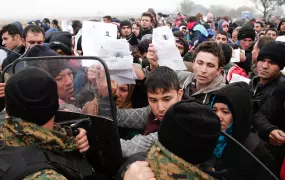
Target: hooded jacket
(202, 95)
(235, 163)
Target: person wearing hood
(126, 33)
(281, 27)
(246, 37)
(182, 46)
(232, 104)
(223, 25)
(197, 31)
(61, 43)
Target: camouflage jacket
(167, 166)
(16, 132)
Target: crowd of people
(172, 124)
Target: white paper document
(236, 56)
(167, 52)
(100, 39)
(94, 34)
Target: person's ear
(219, 71)
(180, 94)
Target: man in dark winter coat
(268, 101)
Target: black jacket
(235, 163)
(260, 92)
(12, 57)
(270, 115)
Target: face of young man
(146, 22)
(257, 27)
(126, 31)
(220, 38)
(34, 39)
(206, 68)
(160, 100)
(246, 43)
(267, 70)
(272, 34)
(9, 41)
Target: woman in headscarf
(232, 104)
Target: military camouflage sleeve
(133, 118)
(45, 175)
(138, 144)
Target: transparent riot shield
(85, 100)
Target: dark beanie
(275, 52)
(246, 32)
(125, 23)
(190, 130)
(31, 95)
(227, 53)
(61, 40)
(53, 67)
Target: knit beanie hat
(125, 23)
(190, 130)
(61, 40)
(246, 32)
(31, 95)
(275, 52)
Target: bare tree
(266, 6)
(186, 6)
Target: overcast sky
(59, 8)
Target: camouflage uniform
(16, 132)
(167, 166)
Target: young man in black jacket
(268, 101)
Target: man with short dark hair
(221, 37)
(268, 103)
(258, 27)
(146, 24)
(11, 37)
(33, 35)
(107, 19)
(271, 32)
